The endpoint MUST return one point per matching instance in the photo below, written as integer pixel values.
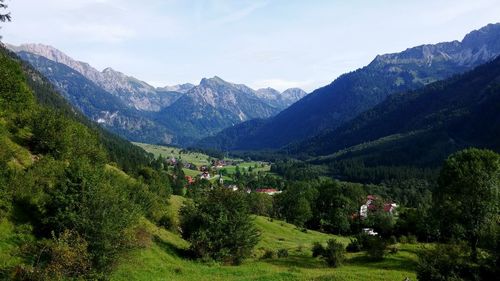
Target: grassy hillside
(201, 159)
(163, 259)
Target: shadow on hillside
(296, 261)
(390, 262)
(171, 248)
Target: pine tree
(4, 17)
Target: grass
(200, 159)
(167, 152)
(165, 259)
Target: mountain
(131, 91)
(420, 127)
(212, 106)
(349, 95)
(98, 104)
(181, 88)
(177, 114)
(280, 100)
(119, 151)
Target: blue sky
(277, 43)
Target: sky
(261, 43)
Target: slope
(96, 103)
(355, 92)
(212, 106)
(163, 259)
(128, 156)
(421, 127)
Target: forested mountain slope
(421, 127)
(352, 93)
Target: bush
(403, 239)
(392, 240)
(268, 254)
(354, 246)
(168, 222)
(317, 249)
(412, 239)
(445, 262)
(282, 253)
(64, 257)
(334, 253)
(376, 248)
(393, 249)
(219, 226)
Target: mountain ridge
(352, 93)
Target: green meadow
(164, 258)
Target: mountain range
(179, 114)
(421, 127)
(331, 106)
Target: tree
(4, 17)
(333, 254)
(467, 198)
(219, 226)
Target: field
(164, 259)
(200, 159)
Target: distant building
(189, 179)
(270, 191)
(205, 176)
(369, 231)
(370, 206)
(233, 187)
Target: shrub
(445, 262)
(334, 253)
(392, 240)
(317, 249)
(168, 222)
(354, 246)
(63, 257)
(403, 239)
(282, 253)
(412, 239)
(268, 254)
(376, 248)
(393, 249)
(219, 226)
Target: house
(172, 161)
(218, 164)
(189, 179)
(370, 206)
(369, 231)
(269, 191)
(205, 176)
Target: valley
(386, 167)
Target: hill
(163, 259)
(422, 127)
(353, 93)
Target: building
(205, 176)
(269, 191)
(389, 207)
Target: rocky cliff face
(132, 91)
(136, 110)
